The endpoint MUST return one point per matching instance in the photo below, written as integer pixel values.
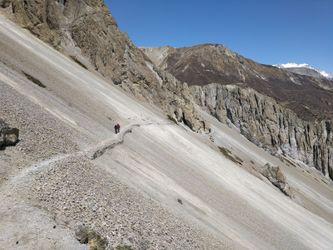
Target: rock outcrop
(8, 136)
(268, 124)
(275, 175)
(86, 32)
(87, 236)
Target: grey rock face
(8, 136)
(269, 125)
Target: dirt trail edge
(106, 145)
(91, 153)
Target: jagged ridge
(268, 124)
(86, 28)
(213, 63)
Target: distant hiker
(117, 128)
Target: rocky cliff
(268, 124)
(309, 97)
(85, 31)
(283, 112)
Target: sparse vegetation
(227, 153)
(87, 236)
(123, 247)
(171, 118)
(34, 80)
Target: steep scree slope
(282, 112)
(130, 194)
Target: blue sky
(268, 31)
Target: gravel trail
(91, 153)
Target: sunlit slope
(181, 170)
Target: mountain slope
(204, 64)
(269, 125)
(289, 124)
(86, 32)
(161, 186)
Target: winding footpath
(97, 151)
(92, 153)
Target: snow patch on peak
(325, 74)
(294, 65)
(305, 65)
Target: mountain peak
(305, 69)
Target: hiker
(117, 128)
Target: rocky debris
(277, 178)
(269, 125)
(76, 193)
(24, 226)
(88, 27)
(159, 55)
(8, 136)
(41, 135)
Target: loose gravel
(78, 193)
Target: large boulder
(8, 136)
